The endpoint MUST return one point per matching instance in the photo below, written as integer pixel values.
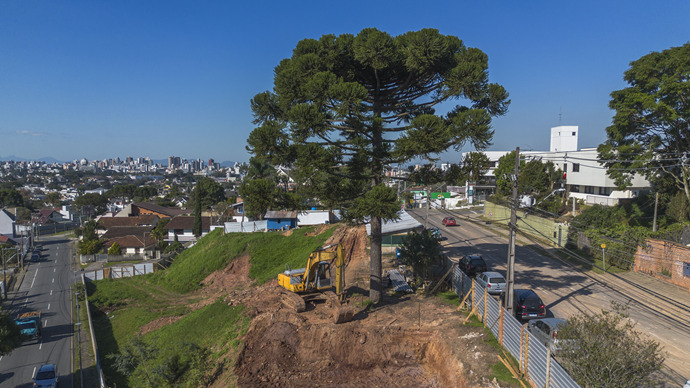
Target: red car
(448, 221)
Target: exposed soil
(405, 341)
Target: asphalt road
(659, 309)
(45, 287)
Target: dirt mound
(236, 274)
(285, 349)
(354, 240)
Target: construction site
(405, 340)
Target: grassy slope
(123, 306)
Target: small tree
(419, 250)
(115, 249)
(10, 337)
(605, 350)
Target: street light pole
(510, 279)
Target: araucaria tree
(650, 134)
(348, 105)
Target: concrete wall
(664, 260)
(529, 223)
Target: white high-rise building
(564, 138)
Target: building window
(565, 167)
(589, 189)
(604, 191)
(574, 188)
(576, 167)
(686, 270)
(573, 133)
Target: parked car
(545, 330)
(472, 265)
(494, 282)
(528, 305)
(436, 232)
(46, 376)
(448, 221)
(35, 257)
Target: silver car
(494, 282)
(545, 330)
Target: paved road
(45, 287)
(660, 309)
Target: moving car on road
(545, 330)
(448, 221)
(528, 305)
(46, 376)
(472, 265)
(494, 282)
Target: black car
(528, 305)
(472, 265)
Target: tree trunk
(375, 261)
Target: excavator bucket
(342, 314)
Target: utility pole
(510, 281)
(656, 205)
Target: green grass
(209, 326)
(122, 307)
(269, 252)
(449, 297)
(500, 372)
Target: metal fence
(532, 355)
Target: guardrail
(533, 358)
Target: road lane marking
(56, 260)
(53, 280)
(54, 269)
(32, 282)
(48, 306)
(34, 372)
(51, 292)
(40, 345)
(45, 323)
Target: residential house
(132, 239)
(183, 226)
(134, 245)
(47, 216)
(281, 219)
(7, 222)
(107, 223)
(6, 240)
(137, 208)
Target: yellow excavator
(314, 281)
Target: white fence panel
(246, 227)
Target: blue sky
(102, 79)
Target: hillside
(215, 318)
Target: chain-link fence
(532, 356)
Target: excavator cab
(314, 281)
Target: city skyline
(99, 81)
